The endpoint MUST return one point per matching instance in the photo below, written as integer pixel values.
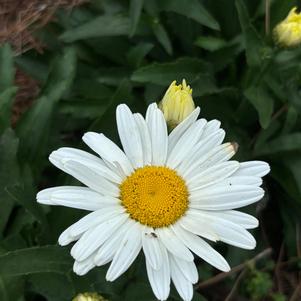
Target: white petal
(245, 220)
(160, 279)
(89, 177)
(221, 153)
(188, 269)
(151, 248)
(64, 154)
(56, 157)
(183, 286)
(197, 226)
(225, 197)
(241, 180)
(83, 267)
(96, 236)
(74, 197)
(129, 135)
(173, 244)
(158, 134)
(127, 252)
(109, 248)
(180, 129)
(253, 168)
(145, 139)
(201, 248)
(108, 150)
(212, 175)
(75, 231)
(185, 143)
(211, 127)
(196, 154)
(66, 238)
(226, 230)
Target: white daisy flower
(163, 194)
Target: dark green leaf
(165, 73)
(35, 260)
(135, 12)
(9, 173)
(162, 36)
(193, 9)
(7, 71)
(289, 142)
(6, 102)
(33, 137)
(137, 54)
(263, 103)
(253, 42)
(101, 26)
(210, 43)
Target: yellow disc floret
(154, 195)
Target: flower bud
(288, 32)
(89, 297)
(177, 103)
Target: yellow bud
(288, 32)
(89, 297)
(177, 103)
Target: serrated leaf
(262, 102)
(192, 9)
(253, 41)
(35, 260)
(135, 12)
(164, 73)
(102, 26)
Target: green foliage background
(107, 52)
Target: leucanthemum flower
(163, 194)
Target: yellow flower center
(154, 195)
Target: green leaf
(210, 43)
(101, 26)
(192, 9)
(164, 73)
(136, 55)
(35, 260)
(104, 122)
(262, 102)
(6, 102)
(7, 71)
(61, 75)
(33, 128)
(25, 197)
(9, 173)
(52, 286)
(253, 41)
(135, 12)
(162, 36)
(289, 142)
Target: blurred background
(66, 65)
